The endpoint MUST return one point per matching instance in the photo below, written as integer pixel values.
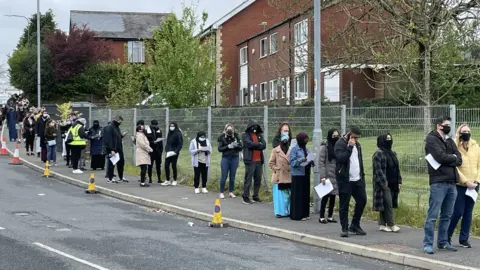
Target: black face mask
(465, 136)
(230, 132)
(335, 139)
(388, 144)
(446, 129)
(117, 123)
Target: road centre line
(1, 228)
(70, 256)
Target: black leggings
(76, 155)
(173, 161)
(200, 171)
(143, 172)
(29, 142)
(331, 205)
(158, 163)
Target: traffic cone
(46, 172)
(217, 221)
(91, 189)
(16, 157)
(4, 152)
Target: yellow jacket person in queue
(77, 141)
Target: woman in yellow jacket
(469, 177)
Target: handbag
(52, 143)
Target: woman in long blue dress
(12, 121)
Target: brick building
(126, 30)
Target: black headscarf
(96, 125)
(386, 146)
(301, 138)
(201, 134)
(331, 144)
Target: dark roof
(118, 25)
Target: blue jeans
(229, 164)
(463, 209)
(442, 199)
(52, 153)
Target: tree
(47, 26)
(129, 86)
(182, 71)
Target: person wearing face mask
(113, 145)
(284, 129)
(40, 130)
(51, 142)
(29, 133)
(77, 141)
(97, 160)
(253, 146)
(300, 171)
(387, 181)
(326, 164)
(200, 151)
(442, 179)
(350, 178)
(469, 173)
(142, 153)
(67, 152)
(12, 124)
(230, 145)
(172, 148)
(154, 135)
(280, 164)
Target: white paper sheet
(472, 193)
(435, 165)
(311, 157)
(171, 154)
(115, 159)
(323, 190)
(159, 140)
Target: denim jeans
(463, 209)
(52, 153)
(442, 199)
(229, 165)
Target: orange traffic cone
(16, 157)
(4, 152)
(217, 221)
(91, 185)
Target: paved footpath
(408, 241)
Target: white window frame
(263, 49)
(264, 91)
(244, 53)
(273, 89)
(136, 51)
(273, 43)
(301, 32)
(301, 94)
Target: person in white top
(350, 178)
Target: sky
(12, 28)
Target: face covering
(172, 128)
(465, 136)
(446, 129)
(284, 138)
(285, 133)
(45, 115)
(229, 131)
(201, 139)
(388, 144)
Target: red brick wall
(361, 86)
(118, 50)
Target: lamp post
(39, 91)
(28, 23)
(317, 132)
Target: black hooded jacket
(249, 145)
(152, 135)
(174, 140)
(446, 153)
(112, 138)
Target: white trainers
(395, 228)
(166, 183)
(231, 195)
(221, 196)
(204, 190)
(197, 191)
(174, 183)
(385, 229)
(77, 171)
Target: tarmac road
(47, 224)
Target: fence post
(265, 152)
(453, 115)
(134, 133)
(209, 123)
(167, 122)
(90, 121)
(343, 119)
(109, 115)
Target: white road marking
(1, 228)
(41, 194)
(70, 256)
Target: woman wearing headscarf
(172, 149)
(469, 174)
(282, 181)
(387, 181)
(300, 171)
(29, 133)
(200, 150)
(96, 145)
(327, 163)
(142, 154)
(230, 145)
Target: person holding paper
(350, 178)
(327, 163)
(113, 145)
(443, 192)
(387, 181)
(200, 150)
(230, 145)
(282, 181)
(51, 138)
(469, 173)
(154, 135)
(172, 148)
(96, 154)
(300, 194)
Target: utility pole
(317, 132)
(39, 83)
(28, 24)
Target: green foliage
(183, 70)
(128, 85)
(47, 26)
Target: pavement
(404, 248)
(47, 224)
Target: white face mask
(201, 139)
(172, 128)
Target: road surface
(47, 224)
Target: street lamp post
(28, 24)
(39, 91)
(317, 132)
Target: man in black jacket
(350, 180)
(253, 146)
(112, 143)
(154, 135)
(443, 158)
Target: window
(263, 48)
(273, 89)
(243, 55)
(301, 85)
(136, 52)
(301, 32)
(263, 91)
(273, 43)
(285, 87)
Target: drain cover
(21, 214)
